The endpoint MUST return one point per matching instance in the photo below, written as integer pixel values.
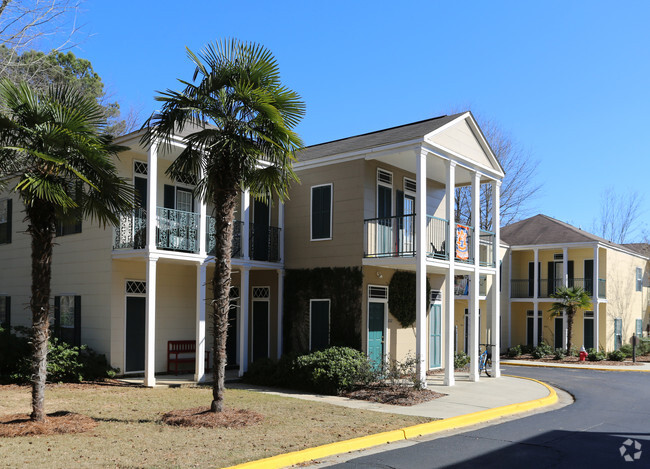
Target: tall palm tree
(237, 123)
(570, 300)
(57, 159)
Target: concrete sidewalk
(586, 365)
(464, 397)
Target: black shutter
(77, 226)
(77, 320)
(7, 321)
(57, 316)
(570, 272)
(531, 279)
(141, 191)
(551, 278)
(169, 199)
(5, 228)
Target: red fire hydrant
(583, 354)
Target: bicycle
(485, 360)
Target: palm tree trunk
(224, 202)
(569, 329)
(41, 229)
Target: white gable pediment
(463, 138)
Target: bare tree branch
(620, 216)
(519, 186)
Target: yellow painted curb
(574, 367)
(364, 442)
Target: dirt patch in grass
(394, 395)
(203, 417)
(57, 423)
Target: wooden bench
(183, 351)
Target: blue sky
(568, 80)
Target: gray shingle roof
(542, 229)
(378, 138)
(641, 248)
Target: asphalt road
(610, 409)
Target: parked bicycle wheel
(488, 366)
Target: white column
(203, 222)
(565, 267)
(245, 229)
(594, 300)
(450, 203)
(474, 333)
(201, 281)
(421, 265)
(281, 227)
(243, 330)
(150, 324)
(535, 296)
(509, 298)
(152, 189)
(496, 295)
(280, 310)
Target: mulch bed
(576, 360)
(394, 395)
(203, 417)
(56, 423)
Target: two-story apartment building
(372, 205)
(544, 254)
(385, 202)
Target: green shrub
(262, 372)
(332, 370)
(574, 352)
(525, 349)
(514, 351)
(595, 356)
(541, 351)
(397, 371)
(65, 363)
(616, 356)
(461, 359)
(627, 350)
(559, 354)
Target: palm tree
(235, 115)
(570, 299)
(53, 148)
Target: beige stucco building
(366, 207)
(616, 277)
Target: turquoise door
(376, 333)
(434, 336)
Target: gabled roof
(542, 229)
(641, 248)
(392, 135)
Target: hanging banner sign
(462, 244)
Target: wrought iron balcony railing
(264, 241)
(524, 288)
(396, 237)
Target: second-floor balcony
(525, 288)
(397, 236)
(177, 230)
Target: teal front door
(434, 336)
(376, 333)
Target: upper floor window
(5, 221)
(73, 225)
(321, 212)
(639, 278)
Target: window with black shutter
(321, 212)
(5, 221)
(5, 311)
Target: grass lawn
(130, 433)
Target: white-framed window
(184, 199)
(321, 212)
(67, 318)
(319, 323)
(639, 278)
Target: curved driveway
(611, 409)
